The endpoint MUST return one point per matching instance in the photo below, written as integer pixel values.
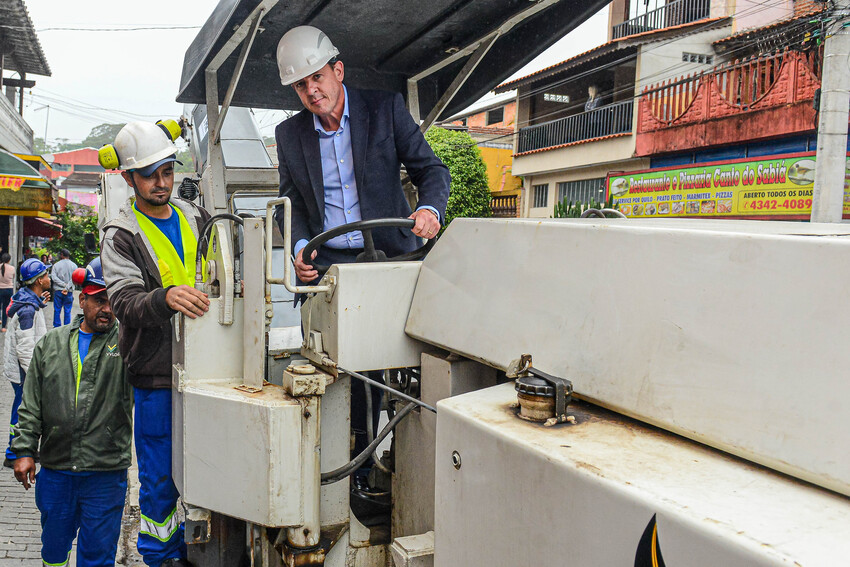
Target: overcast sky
(117, 76)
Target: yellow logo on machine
(649, 549)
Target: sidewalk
(20, 526)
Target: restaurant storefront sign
(778, 187)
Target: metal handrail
(287, 245)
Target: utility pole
(828, 196)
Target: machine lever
(393, 391)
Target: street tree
(74, 222)
(470, 195)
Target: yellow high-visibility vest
(172, 270)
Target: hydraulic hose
(203, 237)
(347, 470)
(370, 430)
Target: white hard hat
(302, 51)
(141, 145)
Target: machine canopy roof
(383, 43)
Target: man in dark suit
(339, 158)
(339, 162)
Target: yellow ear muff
(108, 157)
(171, 128)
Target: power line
(151, 28)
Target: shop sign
(777, 187)
(13, 183)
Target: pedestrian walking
(26, 327)
(7, 286)
(63, 288)
(78, 406)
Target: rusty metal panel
(612, 491)
(27, 199)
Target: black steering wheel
(369, 254)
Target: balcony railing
(767, 96)
(505, 206)
(604, 121)
(774, 79)
(671, 14)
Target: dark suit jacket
(383, 135)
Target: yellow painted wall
(499, 162)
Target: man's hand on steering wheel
(427, 223)
(305, 272)
(422, 223)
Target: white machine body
(731, 333)
(221, 432)
(593, 493)
(359, 325)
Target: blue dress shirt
(342, 202)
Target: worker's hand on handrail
(25, 471)
(185, 299)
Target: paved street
(20, 528)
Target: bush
(470, 195)
(573, 210)
(75, 221)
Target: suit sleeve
(132, 304)
(428, 173)
(28, 429)
(300, 217)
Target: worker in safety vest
(77, 411)
(148, 254)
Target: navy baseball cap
(149, 170)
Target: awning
(23, 190)
(383, 43)
(34, 226)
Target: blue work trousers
(160, 533)
(62, 303)
(88, 503)
(13, 420)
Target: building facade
(681, 84)
(25, 193)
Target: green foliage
(100, 135)
(40, 147)
(470, 195)
(188, 166)
(573, 210)
(75, 221)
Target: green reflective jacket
(91, 432)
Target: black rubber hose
(348, 469)
(203, 238)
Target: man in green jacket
(77, 402)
